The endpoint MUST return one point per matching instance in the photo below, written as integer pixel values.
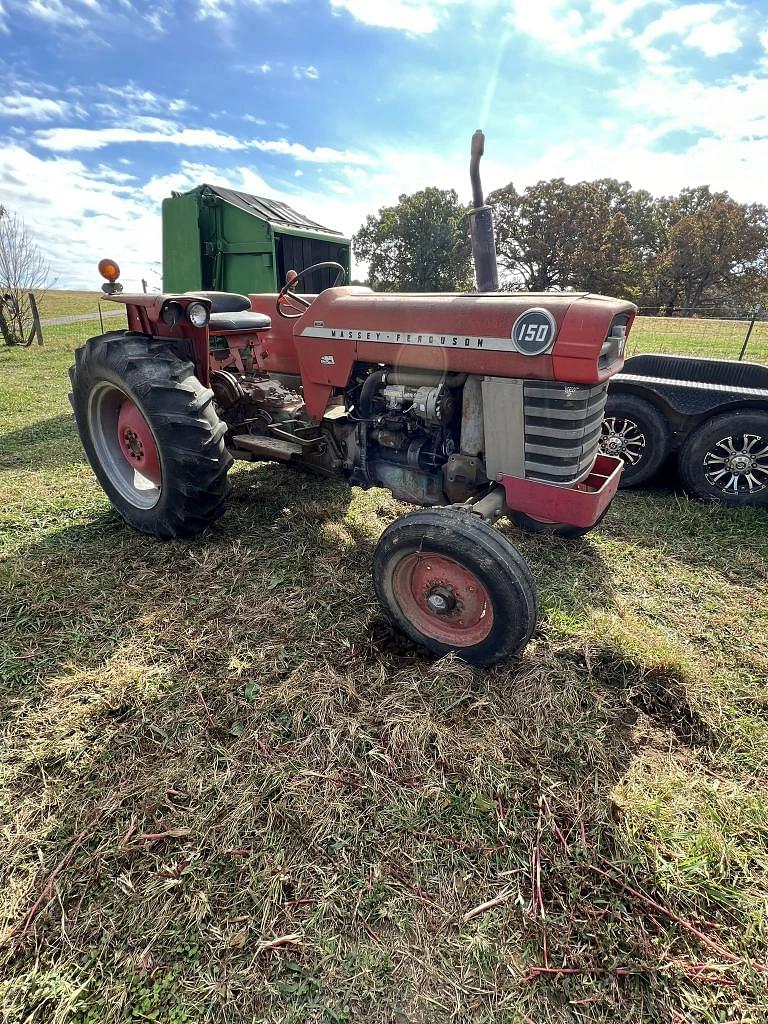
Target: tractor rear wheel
(451, 582)
(150, 433)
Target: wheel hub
(137, 443)
(738, 465)
(443, 598)
(613, 445)
(622, 438)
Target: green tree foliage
(694, 249)
(421, 244)
(688, 250)
(555, 235)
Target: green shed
(217, 239)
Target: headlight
(197, 314)
(171, 313)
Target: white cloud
(59, 12)
(154, 130)
(319, 155)
(562, 28)
(701, 26)
(715, 39)
(419, 17)
(135, 97)
(67, 140)
(95, 212)
(308, 72)
(33, 108)
(218, 9)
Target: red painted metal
(580, 505)
(137, 443)
(464, 333)
(144, 316)
(455, 323)
(424, 573)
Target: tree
(421, 244)
(556, 235)
(23, 268)
(717, 250)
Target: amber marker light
(109, 270)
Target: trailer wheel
(451, 582)
(150, 433)
(531, 525)
(726, 459)
(636, 432)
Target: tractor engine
(408, 428)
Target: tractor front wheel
(451, 582)
(150, 433)
(532, 525)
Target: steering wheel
(292, 280)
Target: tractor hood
(564, 336)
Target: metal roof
(275, 213)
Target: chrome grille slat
(562, 429)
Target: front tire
(636, 432)
(531, 525)
(150, 433)
(452, 583)
(725, 459)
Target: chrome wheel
(624, 439)
(738, 464)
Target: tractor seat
(232, 312)
(224, 302)
(229, 322)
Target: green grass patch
(239, 796)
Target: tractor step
(266, 447)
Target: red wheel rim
(442, 598)
(137, 443)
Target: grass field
(228, 792)
(57, 302)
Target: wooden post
(36, 328)
(144, 285)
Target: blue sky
(338, 106)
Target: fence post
(37, 330)
(144, 286)
(751, 327)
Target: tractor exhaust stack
(481, 224)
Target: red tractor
(471, 405)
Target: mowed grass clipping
(229, 792)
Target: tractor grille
(562, 429)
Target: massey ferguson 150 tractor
(471, 405)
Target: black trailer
(711, 413)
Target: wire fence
(715, 334)
(77, 329)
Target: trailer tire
(134, 398)
(636, 432)
(721, 445)
(452, 583)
